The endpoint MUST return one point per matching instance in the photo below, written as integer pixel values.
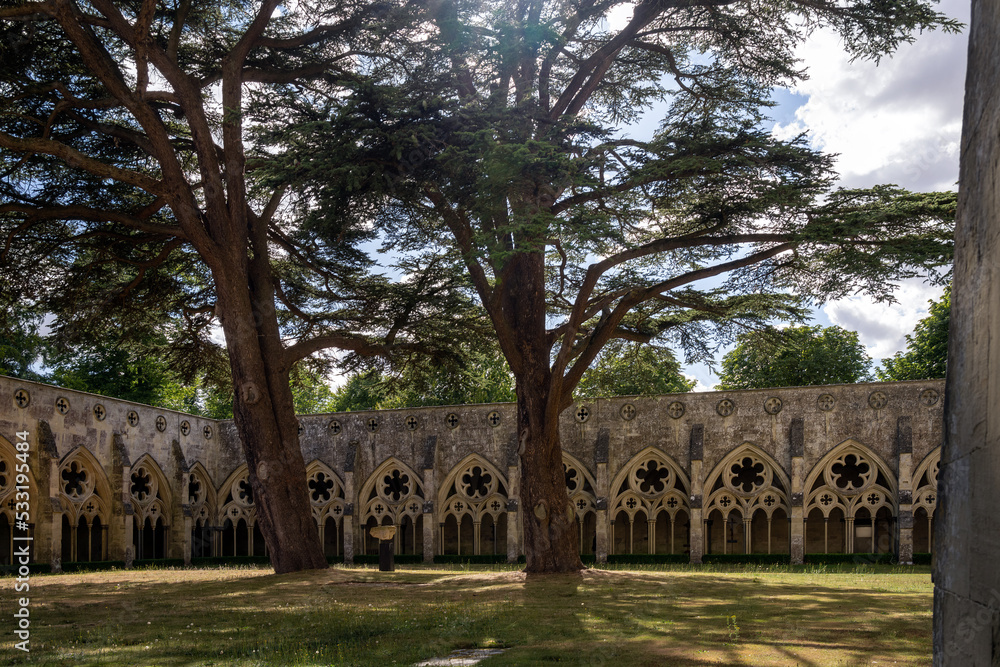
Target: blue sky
(898, 122)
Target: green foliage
(629, 369)
(926, 354)
(795, 357)
(20, 345)
(471, 374)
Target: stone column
(966, 577)
(185, 538)
(429, 519)
(348, 520)
(55, 557)
(513, 517)
(128, 513)
(904, 521)
(697, 447)
(796, 517)
(602, 523)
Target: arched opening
(622, 529)
(488, 535)
(735, 533)
(640, 533)
(663, 543)
(467, 536)
(681, 533)
(588, 532)
(66, 552)
(864, 532)
(228, 537)
(449, 535)
(884, 531)
(371, 543)
(922, 531)
(201, 540)
(259, 545)
(96, 551)
(83, 540)
(242, 538)
(836, 529)
(333, 541)
(715, 533)
(780, 542)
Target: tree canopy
(181, 166)
(495, 135)
(795, 357)
(631, 369)
(926, 353)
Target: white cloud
(882, 327)
(897, 122)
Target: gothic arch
(86, 502)
(203, 503)
(581, 487)
(240, 535)
(747, 503)
(326, 496)
(9, 499)
(853, 489)
(473, 502)
(925, 497)
(150, 497)
(650, 488)
(393, 495)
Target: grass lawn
(666, 615)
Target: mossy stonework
(789, 471)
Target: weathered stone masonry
(844, 468)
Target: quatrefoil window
(747, 474)
(321, 486)
(397, 485)
(141, 488)
(653, 478)
(476, 482)
(76, 480)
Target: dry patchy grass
(676, 615)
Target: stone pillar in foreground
(967, 539)
(696, 544)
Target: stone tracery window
(850, 503)
(237, 517)
(649, 509)
(393, 495)
(150, 498)
(746, 508)
(201, 503)
(326, 494)
(583, 498)
(85, 494)
(925, 499)
(474, 509)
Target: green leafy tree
(493, 134)
(926, 354)
(629, 369)
(132, 200)
(795, 357)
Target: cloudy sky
(898, 122)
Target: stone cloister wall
(844, 468)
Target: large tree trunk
(265, 419)
(551, 540)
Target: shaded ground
(775, 615)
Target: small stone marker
(384, 534)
